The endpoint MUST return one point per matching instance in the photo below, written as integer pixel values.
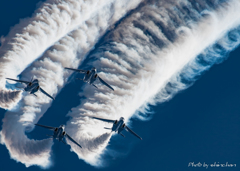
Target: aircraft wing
(73, 141)
(105, 83)
(128, 129)
(20, 81)
(77, 70)
(105, 120)
(44, 92)
(48, 127)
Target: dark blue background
(200, 124)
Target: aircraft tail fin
(122, 135)
(106, 128)
(50, 136)
(95, 86)
(64, 142)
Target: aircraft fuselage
(119, 125)
(32, 87)
(59, 133)
(90, 76)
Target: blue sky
(200, 124)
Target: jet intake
(95, 76)
(64, 133)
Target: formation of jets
(91, 76)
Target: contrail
(32, 36)
(49, 69)
(144, 59)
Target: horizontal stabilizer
(94, 86)
(49, 135)
(107, 128)
(122, 135)
(64, 142)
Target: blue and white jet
(118, 126)
(90, 76)
(59, 133)
(32, 87)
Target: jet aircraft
(90, 76)
(59, 133)
(118, 126)
(32, 87)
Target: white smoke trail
(212, 55)
(32, 36)
(49, 69)
(141, 56)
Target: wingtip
(67, 68)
